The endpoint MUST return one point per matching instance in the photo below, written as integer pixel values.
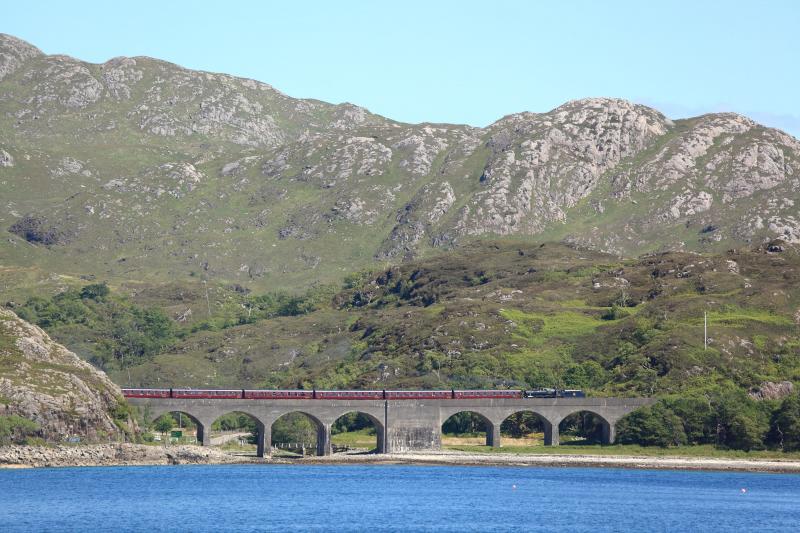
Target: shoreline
(450, 458)
(16, 457)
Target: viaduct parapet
(401, 425)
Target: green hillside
(497, 313)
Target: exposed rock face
(13, 53)
(772, 391)
(120, 76)
(5, 159)
(542, 165)
(143, 158)
(418, 218)
(44, 382)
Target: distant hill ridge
(140, 169)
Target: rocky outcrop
(5, 159)
(42, 381)
(417, 219)
(772, 391)
(542, 165)
(112, 455)
(13, 53)
(39, 230)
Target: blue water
(393, 498)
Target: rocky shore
(137, 454)
(113, 455)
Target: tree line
(725, 417)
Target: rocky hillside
(140, 169)
(44, 382)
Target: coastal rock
(112, 455)
(44, 382)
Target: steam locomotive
(314, 394)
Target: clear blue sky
(457, 61)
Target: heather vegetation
(496, 314)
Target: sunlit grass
(362, 438)
(537, 328)
(740, 316)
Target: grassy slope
(503, 314)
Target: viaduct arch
(401, 425)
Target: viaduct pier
(401, 425)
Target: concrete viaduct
(401, 425)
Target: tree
(353, 421)
(164, 423)
(521, 424)
(655, 425)
(741, 423)
(785, 430)
(294, 428)
(465, 422)
(583, 424)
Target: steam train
(250, 394)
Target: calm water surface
(393, 498)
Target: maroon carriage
(485, 394)
(349, 395)
(419, 394)
(145, 393)
(213, 394)
(278, 394)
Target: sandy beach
(557, 460)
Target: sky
(457, 61)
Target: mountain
(138, 169)
(43, 382)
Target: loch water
(375, 498)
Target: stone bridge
(401, 425)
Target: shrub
(615, 313)
(16, 429)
